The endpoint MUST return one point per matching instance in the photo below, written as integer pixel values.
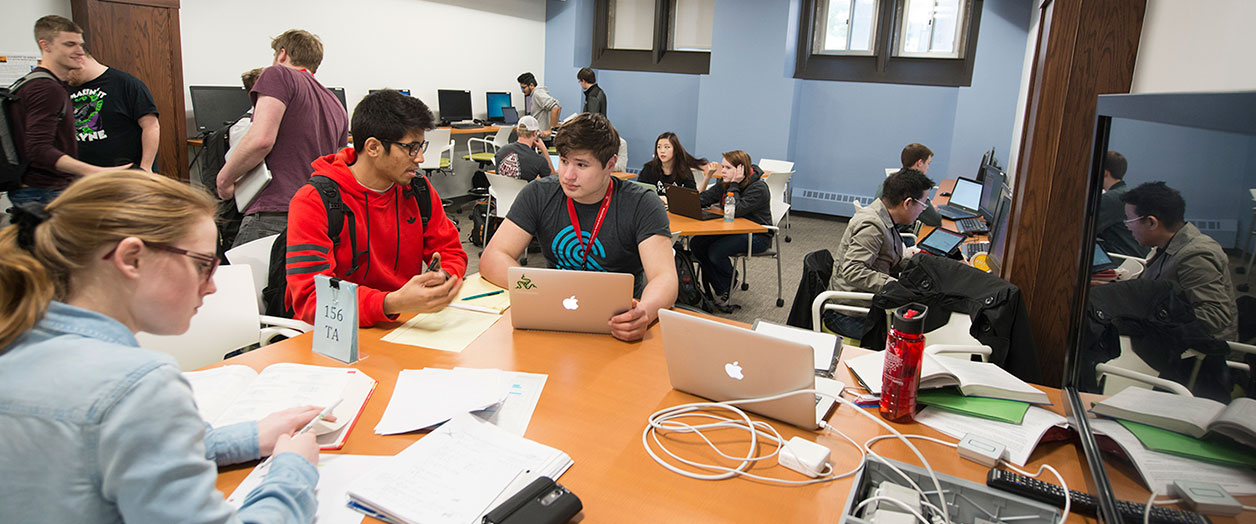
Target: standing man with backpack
(393, 221)
(42, 117)
(295, 121)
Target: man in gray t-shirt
(523, 158)
(562, 213)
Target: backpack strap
(336, 210)
(422, 193)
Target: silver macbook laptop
(722, 362)
(563, 300)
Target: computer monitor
(991, 188)
(496, 101)
(454, 105)
(217, 106)
(340, 95)
(999, 231)
(402, 91)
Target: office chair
(779, 209)
(774, 167)
(503, 191)
(440, 152)
(227, 320)
(486, 157)
(952, 338)
(256, 255)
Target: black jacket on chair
(1158, 318)
(817, 267)
(997, 310)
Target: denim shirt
(96, 429)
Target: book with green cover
(1175, 443)
(951, 399)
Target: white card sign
(336, 321)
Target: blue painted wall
(1212, 169)
(841, 135)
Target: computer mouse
(945, 193)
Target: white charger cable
(664, 420)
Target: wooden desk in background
(689, 227)
(946, 186)
(196, 142)
(594, 407)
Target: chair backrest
(778, 186)
(503, 136)
(890, 171)
(227, 320)
(775, 166)
(505, 189)
(621, 163)
(437, 142)
(255, 254)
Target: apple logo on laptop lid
(734, 370)
(571, 303)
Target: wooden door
(142, 37)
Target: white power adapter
(804, 456)
(982, 451)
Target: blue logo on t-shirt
(567, 250)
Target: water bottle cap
(910, 318)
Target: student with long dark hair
(745, 181)
(671, 165)
(92, 427)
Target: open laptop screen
(967, 194)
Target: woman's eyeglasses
(206, 265)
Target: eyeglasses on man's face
(1130, 221)
(412, 148)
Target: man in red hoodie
(393, 245)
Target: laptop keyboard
(971, 225)
(952, 213)
(972, 248)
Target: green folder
(1175, 443)
(951, 399)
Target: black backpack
(329, 190)
(213, 156)
(12, 165)
(692, 292)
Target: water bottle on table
(730, 207)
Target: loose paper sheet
(450, 329)
(1159, 470)
(1019, 439)
(514, 413)
(335, 473)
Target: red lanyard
(597, 225)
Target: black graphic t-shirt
(106, 114)
(635, 214)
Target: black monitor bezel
(198, 116)
(440, 104)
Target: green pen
(481, 295)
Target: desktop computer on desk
(455, 108)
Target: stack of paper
(506, 399)
(456, 474)
(1018, 439)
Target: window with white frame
(932, 29)
(846, 27)
(631, 25)
(691, 22)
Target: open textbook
(231, 394)
(1192, 416)
(977, 379)
(1160, 470)
(456, 474)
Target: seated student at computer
(92, 427)
(671, 165)
(585, 219)
(745, 181)
(1155, 215)
(526, 157)
(916, 157)
(1113, 233)
(871, 251)
(393, 243)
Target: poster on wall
(13, 67)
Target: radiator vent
(827, 202)
(1223, 230)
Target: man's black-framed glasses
(414, 148)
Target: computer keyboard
(971, 225)
(972, 248)
(462, 125)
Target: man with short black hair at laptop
(1116, 237)
(585, 219)
(525, 157)
(871, 250)
(917, 157)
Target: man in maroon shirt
(43, 116)
(295, 121)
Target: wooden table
(197, 142)
(594, 407)
(946, 186)
(685, 226)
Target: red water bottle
(904, 349)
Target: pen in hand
(326, 412)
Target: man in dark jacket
(594, 97)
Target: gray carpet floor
(807, 233)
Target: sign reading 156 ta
(336, 321)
